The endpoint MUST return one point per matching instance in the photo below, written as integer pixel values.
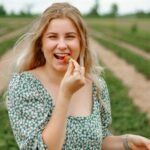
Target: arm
(122, 142)
(113, 143)
(54, 133)
(105, 109)
(27, 113)
(126, 142)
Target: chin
(62, 69)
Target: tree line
(114, 12)
(25, 12)
(94, 12)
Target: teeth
(61, 54)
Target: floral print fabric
(30, 108)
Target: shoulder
(105, 99)
(21, 82)
(103, 84)
(24, 90)
(18, 77)
(103, 89)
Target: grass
(139, 38)
(14, 24)
(123, 23)
(127, 118)
(139, 62)
(6, 45)
(9, 24)
(7, 141)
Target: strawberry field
(128, 117)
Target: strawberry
(66, 59)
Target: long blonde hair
(30, 43)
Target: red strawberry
(66, 59)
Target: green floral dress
(30, 108)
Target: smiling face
(60, 39)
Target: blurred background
(119, 32)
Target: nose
(62, 45)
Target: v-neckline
(52, 101)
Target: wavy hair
(30, 44)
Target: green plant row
(126, 117)
(142, 65)
(8, 44)
(7, 141)
(9, 24)
(138, 38)
(5, 30)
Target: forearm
(113, 143)
(54, 133)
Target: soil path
(123, 44)
(7, 60)
(12, 34)
(139, 86)
(6, 66)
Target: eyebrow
(71, 33)
(50, 33)
(66, 33)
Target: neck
(52, 75)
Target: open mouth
(61, 56)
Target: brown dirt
(138, 85)
(7, 60)
(123, 44)
(12, 34)
(6, 66)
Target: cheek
(48, 47)
(77, 49)
(76, 53)
(47, 52)
(48, 44)
(77, 46)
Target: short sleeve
(27, 113)
(105, 110)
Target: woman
(59, 105)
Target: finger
(83, 71)
(77, 72)
(70, 68)
(83, 75)
(76, 65)
(148, 144)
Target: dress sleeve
(26, 114)
(105, 110)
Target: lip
(60, 56)
(62, 53)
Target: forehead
(61, 24)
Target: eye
(70, 37)
(52, 36)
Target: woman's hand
(136, 142)
(74, 78)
